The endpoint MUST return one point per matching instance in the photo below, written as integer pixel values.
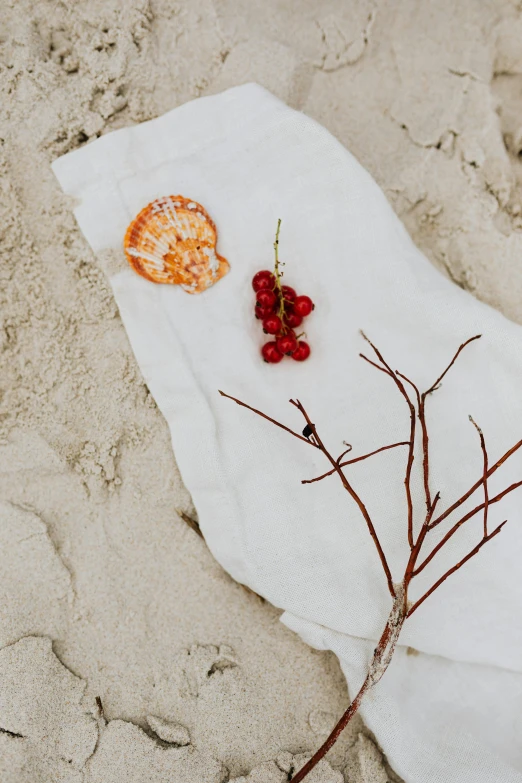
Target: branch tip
(461, 347)
(472, 420)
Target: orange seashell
(173, 240)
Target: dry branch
(402, 607)
(411, 441)
(354, 460)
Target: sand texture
(126, 653)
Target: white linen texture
(452, 713)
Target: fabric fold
(450, 712)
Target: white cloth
(453, 711)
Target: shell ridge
(174, 240)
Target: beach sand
(126, 653)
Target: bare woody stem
(380, 661)
(354, 460)
(421, 412)
(351, 491)
(269, 418)
(337, 731)
(422, 417)
(437, 383)
(410, 567)
(399, 592)
(317, 443)
(484, 474)
(451, 571)
(451, 532)
(411, 408)
(476, 485)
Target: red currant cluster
(281, 311)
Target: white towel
(452, 711)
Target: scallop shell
(173, 240)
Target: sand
(126, 653)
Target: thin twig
(425, 450)
(374, 364)
(319, 444)
(345, 452)
(461, 521)
(431, 510)
(410, 567)
(352, 493)
(413, 415)
(421, 402)
(269, 418)
(476, 485)
(437, 383)
(494, 499)
(443, 578)
(421, 412)
(485, 473)
(410, 382)
(356, 459)
(422, 418)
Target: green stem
(278, 275)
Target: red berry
(266, 298)
(272, 325)
(293, 320)
(263, 312)
(270, 353)
(263, 279)
(287, 343)
(289, 293)
(302, 351)
(303, 306)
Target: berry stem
(278, 275)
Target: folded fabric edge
(243, 104)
